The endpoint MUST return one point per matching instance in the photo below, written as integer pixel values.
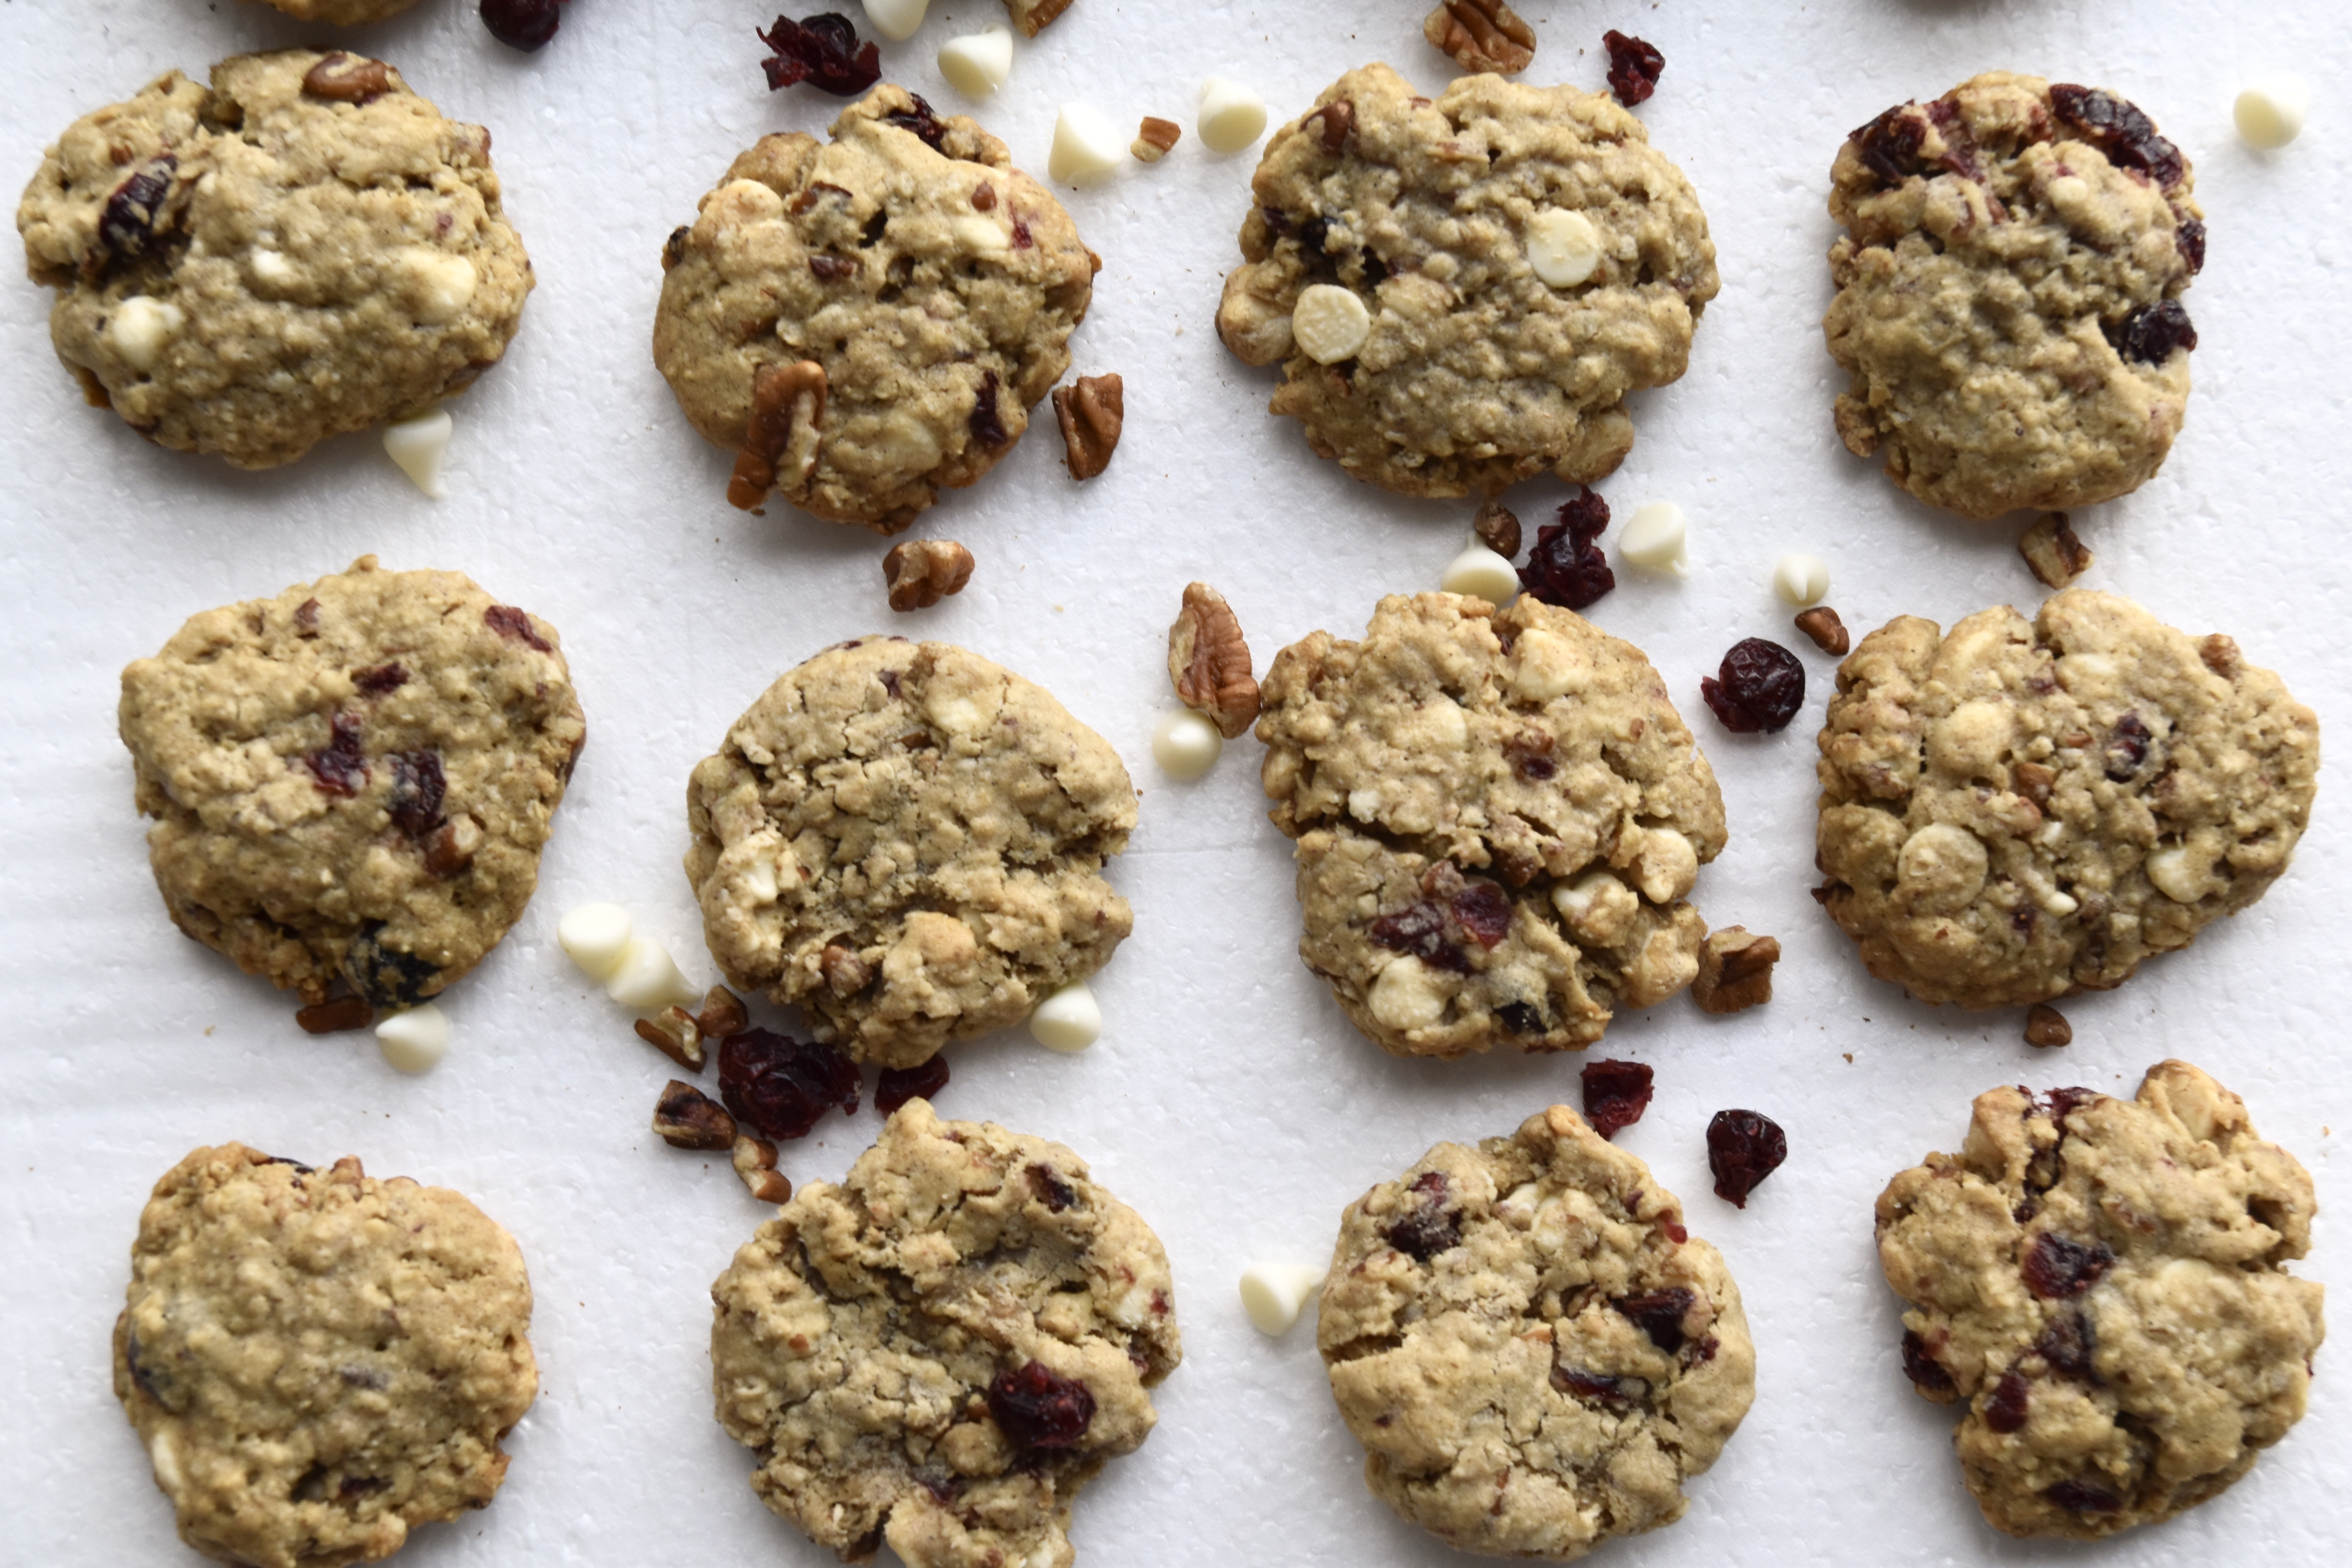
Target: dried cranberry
(1036, 1407)
(2067, 1344)
(2153, 333)
(921, 121)
(1425, 1230)
(509, 622)
(2188, 239)
(1759, 686)
(1634, 68)
(380, 679)
(386, 976)
(1484, 910)
(1566, 567)
(524, 25)
(417, 791)
(1592, 1384)
(2005, 1411)
(1660, 1315)
(2127, 747)
(128, 221)
(1530, 755)
(2117, 128)
(1051, 1190)
(899, 1085)
(822, 50)
(1889, 145)
(1020, 238)
(2055, 1268)
(1742, 1149)
(1615, 1094)
(1521, 1017)
(1920, 1365)
(782, 1086)
(1419, 930)
(337, 767)
(2060, 1103)
(987, 424)
(2081, 1496)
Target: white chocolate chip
(2176, 875)
(271, 269)
(1598, 908)
(980, 234)
(1274, 1293)
(1232, 116)
(1086, 145)
(439, 284)
(1186, 745)
(1068, 1021)
(595, 936)
(2270, 113)
(1940, 868)
(1407, 995)
(1801, 579)
(416, 444)
(1329, 324)
(415, 1040)
(164, 1455)
(140, 327)
(896, 19)
(977, 63)
(647, 979)
(1665, 865)
(1481, 574)
(1549, 666)
(1563, 246)
(1657, 539)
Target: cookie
(1498, 814)
(868, 320)
(2099, 1283)
(2009, 294)
(342, 13)
(1443, 220)
(909, 842)
(317, 1361)
(352, 782)
(302, 248)
(2016, 810)
(941, 1350)
(1532, 1350)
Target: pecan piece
(2045, 1026)
(334, 1017)
(845, 974)
(922, 571)
(1497, 528)
(451, 847)
(1829, 634)
(1210, 661)
(723, 1014)
(347, 78)
(1734, 970)
(755, 1160)
(2053, 551)
(1154, 140)
(688, 1119)
(1481, 35)
(787, 406)
(1339, 117)
(674, 1033)
(1091, 413)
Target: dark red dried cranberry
(1615, 1094)
(2067, 1344)
(2005, 1411)
(2188, 239)
(524, 25)
(1742, 1149)
(1484, 910)
(2082, 1497)
(2154, 333)
(987, 424)
(1586, 1384)
(1921, 1367)
(1889, 145)
(2117, 127)
(920, 119)
(1419, 930)
(1634, 68)
(2060, 1103)
(128, 221)
(509, 622)
(1036, 1407)
(1020, 239)
(381, 679)
(386, 976)
(1530, 755)
(830, 268)
(1051, 1190)
(337, 767)
(2127, 747)
(1426, 1228)
(2055, 1268)
(1759, 686)
(1521, 1017)
(782, 1086)
(1660, 1315)
(899, 1085)
(1566, 567)
(417, 791)
(822, 50)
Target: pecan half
(347, 78)
(1481, 35)
(922, 571)
(1158, 135)
(2045, 1026)
(674, 1033)
(1497, 528)
(688, 1119)
(787, 406)
(755, 1162)
(1734, 970)
(2053, 551)
(1829, 634)
(1209, 660)
(1091, 413)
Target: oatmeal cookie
(1498, 816)
(1532, 1350)
(302, 248)
(909, 842)
(341, 13)
(2100, 1283)
(941, 1350)
(928, 286)
(1474, 373)
(2009, 294)
(317, 1360)
(352, 781)
(2018, 810)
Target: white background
(1229, 1101)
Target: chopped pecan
(2032, 781)
(723, 1014)
(1158, 135)
(922, 571)
(450, 849)
(1339, 117)
(1497, 528)
(786, 401)
(334, 1017)
(1481, 35)
(347, 78)
(1091, 415)
(2051, 548)
(845, 974)
(688, 1119)
(1210, 661)
(2046, 1026)
(1734, 970)
(1829, 634)
(755, 1162)
(674, 1033)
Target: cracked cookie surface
(318, 1361)
(2017, 809)
(935, 285)
(908, 841)
(1498, 816)
(2011, 249)
(1475, 373)
(304, 248)
(1532, 1350)
(862, 1339)
(353, 782)
(2099, 1283)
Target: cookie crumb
(2053, 552)
(2045, 1026)
(1735, 971)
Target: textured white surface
(1229, 1101)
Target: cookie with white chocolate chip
(1498, 816)
(2016, 810)
(2098, 1284)
(1534, 1352)
(303, 248)
(940, 1351)
(868, 320)
(1462, 292)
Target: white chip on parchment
(415, 1040)
(1086, 145)
(1069, 1020)
(1186, 745)
(896, 19)
(1232, 116)
(1801, 579)
(593, 936)
(1274, 1293)
(1481, 574)
(416, 444)
(2270, 113)
(977, 64)
(1657, 538)
(647, 978)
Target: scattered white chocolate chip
(139, 327)
(1185, 745)
(1329, 324)
(1657, 539)
(1563, 246)
(595, 936)
(1801, 579)
(896, 19)
(1232, 116)
(1481, 574)
(270, 269)
(1086, 145)
(1274, 1293)
(647, 978)
(440, 285)
(415, 1040)
(1069, 1020)
(977, 64)
(416, 444)
(2270, 113)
